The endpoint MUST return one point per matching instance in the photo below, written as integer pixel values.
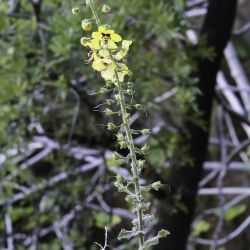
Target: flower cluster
(107, 53)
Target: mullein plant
(107, 56)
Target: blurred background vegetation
(56, 171)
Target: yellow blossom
(100, 64)
(88, 42)
(109, 73)
(106, 38)
(112, 69)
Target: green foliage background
(43, 74)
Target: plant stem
(131, 146)
(92, 7)
(133, 159)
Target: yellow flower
(109, 68)
(86, 25)
(109, 73)
(100, 64)
(112, 69)
(88, 42)
(124, 50)
(106, 38)
(104, 53)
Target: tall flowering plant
(107, 56)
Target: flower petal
(110, 72)
(111, 45)
(104, 53)
(97, 36)
(102, 29)
(99, 65)
(95, 44)
(126, 44)
(121, 76)
(116, 38)
(124, 50)
(110, 32)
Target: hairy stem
(133, 157)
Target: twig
(224, 191)
(238, 74)
(9, 229)
(223, 151)
(243, 29)
(51, 182)
(106, 240)
(227, 238)
(195, 12)
(74, 118)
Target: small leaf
(151, 242)
(155, 240)
(156, 185)
(124, 234)
(163, 233)
(234, 212)
(200, 226)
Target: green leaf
(103, 219)
(124, 234)
(155, 240)
(111, 162)
(115, 220)
(234, 212)
(200, 226)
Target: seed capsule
(86, 25)
(75, 11)
(105, 8)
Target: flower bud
(138, 106)
(111, 126)
(127, 116)
(130, 84)
(120, 137)
(145, 149)
(88, 3)
(105, 8)
(86, 25)
(140, 163)
(75, 11)
(120, 178)
(123, 144)
(108, 112)
(156, 185)
(84, 41)
(129, 92)
(145, 131)
(116, 156)
(109, 101)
